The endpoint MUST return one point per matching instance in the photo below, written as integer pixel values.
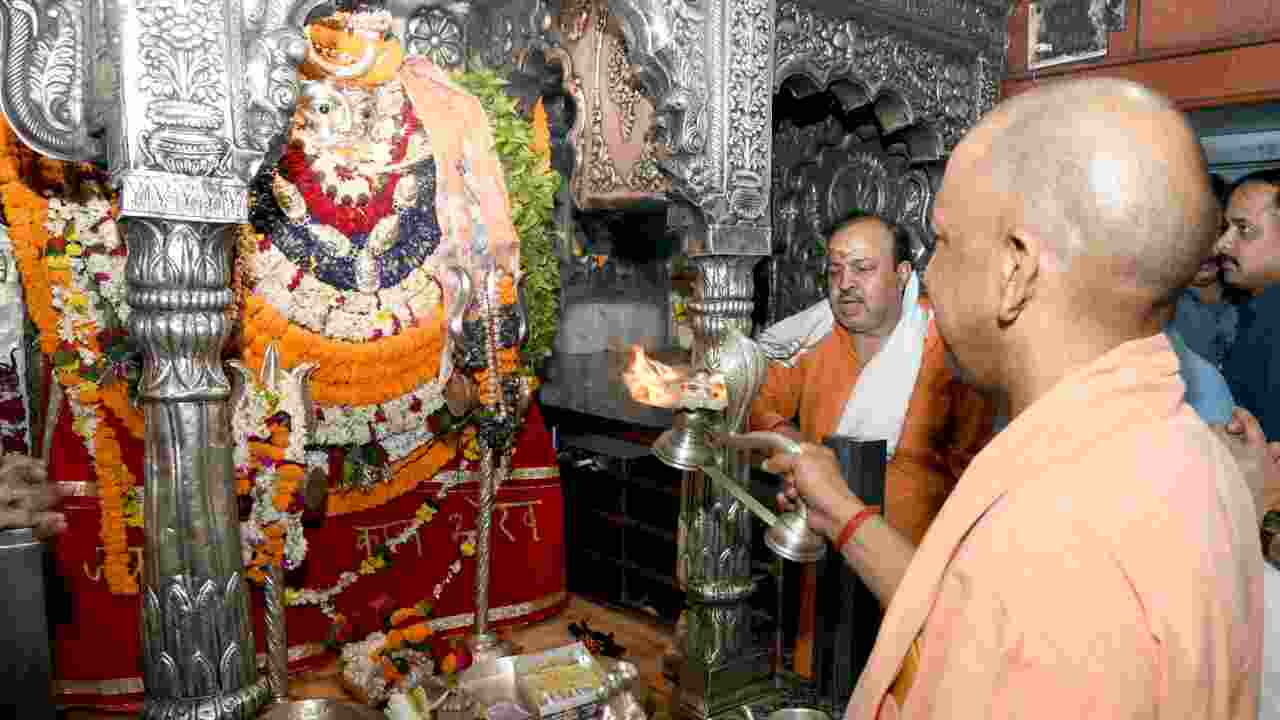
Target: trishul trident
(183, 101)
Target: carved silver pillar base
(198, 652)
(712, 686)
(723, 665)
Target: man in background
(867, 363)
(1206, 316)
(1250, 250)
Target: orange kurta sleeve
(779, 397)
(972, 425)
(947, 423)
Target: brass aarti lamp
(690, 445)
(705, 424)
(722, 668)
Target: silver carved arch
(914, 99)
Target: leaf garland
(532, 186)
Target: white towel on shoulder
(877, 407)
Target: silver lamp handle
(771, 442)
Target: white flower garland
(324, 598)
(249, 421)
(94, 257)
(264, 514)
(359, 668)
(97, 263)
(359, 424)
(344, 315)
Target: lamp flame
(654, 383)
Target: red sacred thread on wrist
(854, 523)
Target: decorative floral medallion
(437, 35)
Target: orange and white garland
(62, 292)
(270, 467)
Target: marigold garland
(27, 213)
(350, 373)
(420, 466)
(114, 482)
(270, 457)
(507, 291)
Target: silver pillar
(709, 66)
(182, 100)
(198, 651)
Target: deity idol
(387, 206)
(389, 261)
(381, 275)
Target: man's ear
(904, 273)
(1019, 262)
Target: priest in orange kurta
(868, 363)
(943, 421)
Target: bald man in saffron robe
(1099, 557)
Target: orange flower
(116, 398)
(389, 670)
(486, 389)
(291, 472)
(350, 373)
(449, 664)
(395, 639)
(114, 480)
(404, 614)
(508, 360)
(417, 634)
(279, 435)
(507, 288)
(263, 450)
(541, 144)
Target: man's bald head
(1068, 218)
(1108, 169)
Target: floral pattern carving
(185, 75)
(436, 34)
(624, 95)
(749, 129)
(182, 61)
